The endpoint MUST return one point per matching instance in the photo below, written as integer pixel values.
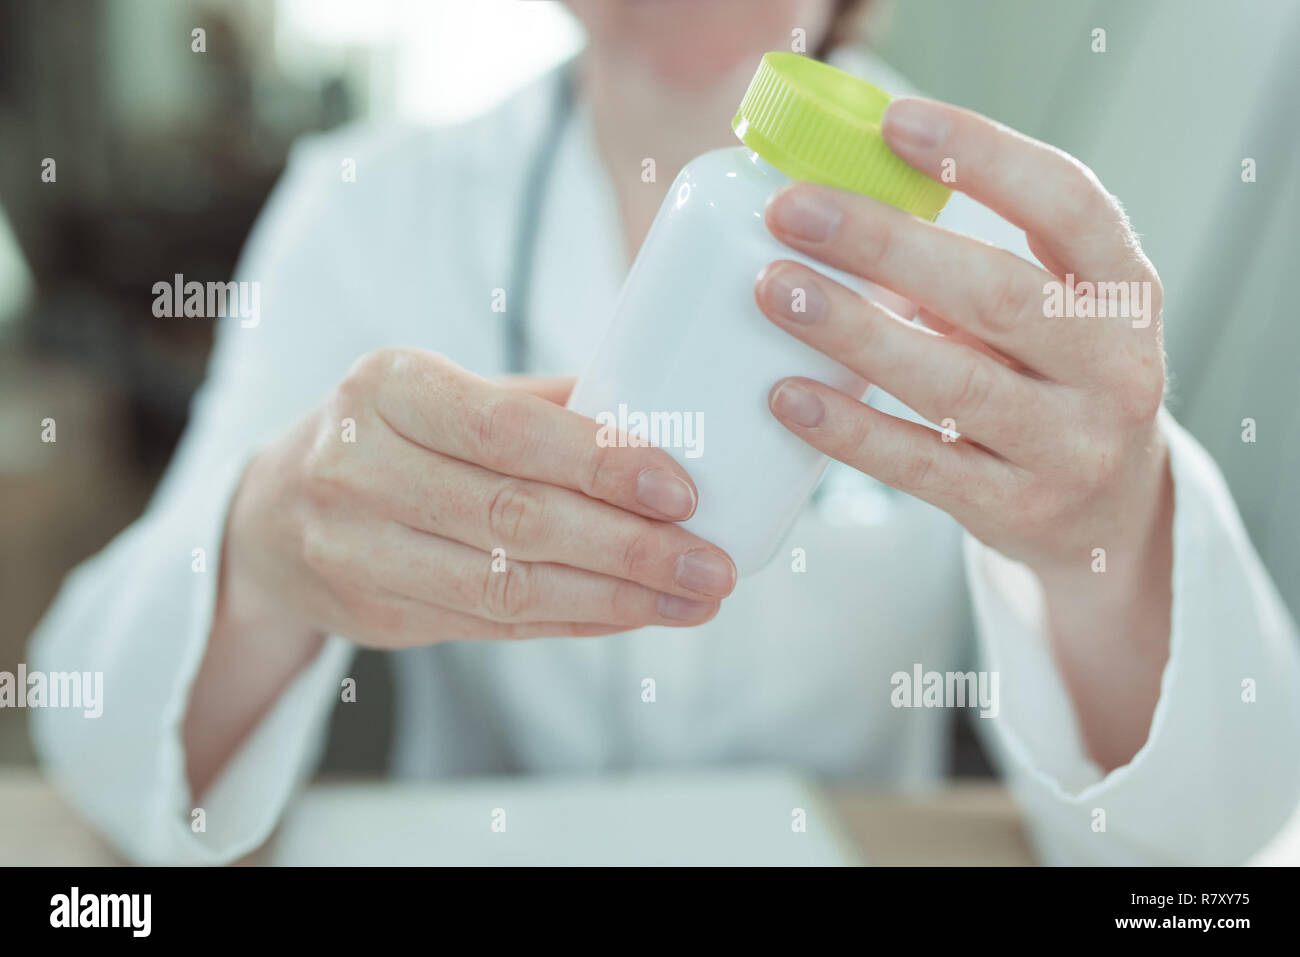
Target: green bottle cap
(819, 124)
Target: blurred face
(695, 43)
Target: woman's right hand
(387, 535)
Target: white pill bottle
(688, 360)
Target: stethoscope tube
(529, 224)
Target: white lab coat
(796, 669)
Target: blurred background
(165, 155)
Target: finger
(551, 388)
(1055, 199)
(394, 621)
(995, 295)
(446, 573)
(955, 333)
(902, 454)
(1018, 417)
(536, 522)
(441, 407)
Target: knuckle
(917, 472)
(323, 479)
(1005, 303)
(370, 368)
(507, 595)
(626, 603)
(321, 490)
(515, 513)
(428, 374)
(969, 392)
(353, 389)
(1081, 195)
(497, 425)
(856, 447)
(863, 332)
(639, 554)
(873, 239)
(596, 475)
(354, 394)
(316, 550)
(364, 366)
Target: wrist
(1125, 565)
(252, 595)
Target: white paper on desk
(716, 819)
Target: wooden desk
(967, 824)
(37, 828)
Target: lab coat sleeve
(141, 610)
(1219, 772)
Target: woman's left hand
(1051, 452)
(1059, 452)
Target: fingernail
(915, 124)
(683, 609)
(665, 493)
(805, 213)
(706, 572)
(794, 294)
(799, 405)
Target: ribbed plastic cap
(819, 124)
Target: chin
(692, 63)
